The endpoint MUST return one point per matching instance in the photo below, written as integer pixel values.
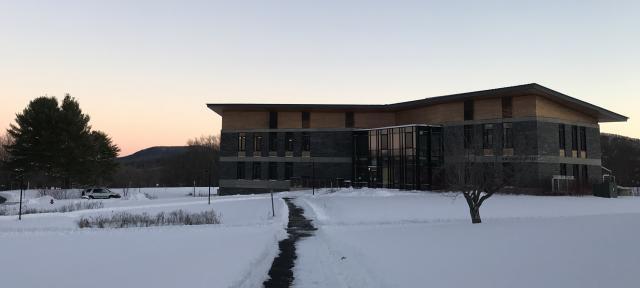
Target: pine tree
(57, 141)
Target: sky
(144, 70)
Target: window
(561, 137)
(507, 107)
(574, 137)
(240, 170)
(468, 136)
(585, 174)
(273, 141)
(273, 120)
(288, 170)
(384, 141)
(257, 170)
(507, 135)
(468, 110)
(487, 136)
(507, 174)
(305, 119)
(563, 169)
(576, 173)
(242, 142)
(348, 120)
(273, 170)
(257, 143)
(289, 141)
(583, 139)
(408, 140)
(306, 142)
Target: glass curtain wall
(408, 157)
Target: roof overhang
(599, 113)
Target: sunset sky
(144, 70)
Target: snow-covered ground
(382, 238)
(365, 238)
(48, 250)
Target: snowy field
(382, 238)
(48, 250)
(365, 238)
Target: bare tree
(5, 140)
(476, 180)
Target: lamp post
(313, 175)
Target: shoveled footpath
(281, 272)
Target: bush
(13, 209)
(126, 219)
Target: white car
(99, 193)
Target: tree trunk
(475, 215)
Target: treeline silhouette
(171, 166)
(622, 155)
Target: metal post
(21, 187)
(209, 186)
(273, 210)
(194, 188)
(313, 173)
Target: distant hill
(622, 155)
(153, 154)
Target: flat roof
(603, 115)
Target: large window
(257, 143)
(562, 137)
(240, 170)
(348, 120)
(468, 136)
(563, 169)
(583, 139)
(289, 141)
(288, 170)
(273, 170)
(306, 142)
(384, 141)
(574, 137)
(408, 140)
(273, 141)
(305, 119)
(242, 142)
(507, 135)
(507, 107)
(273, 120)
(487, 136)
(256, 171)
(468, 110)
(585, 174)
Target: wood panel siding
(550, 109)
(374, 119)
(326, 119)
(487, 109)
(524, 106)
(290, 119)
(245, 120)
(436, 114)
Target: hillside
(153, 153)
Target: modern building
(541, 142)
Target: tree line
(51, 144)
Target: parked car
(99, 193)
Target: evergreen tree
(57, 141)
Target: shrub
(13, 209)
(126, 219)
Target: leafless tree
(476, 180)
